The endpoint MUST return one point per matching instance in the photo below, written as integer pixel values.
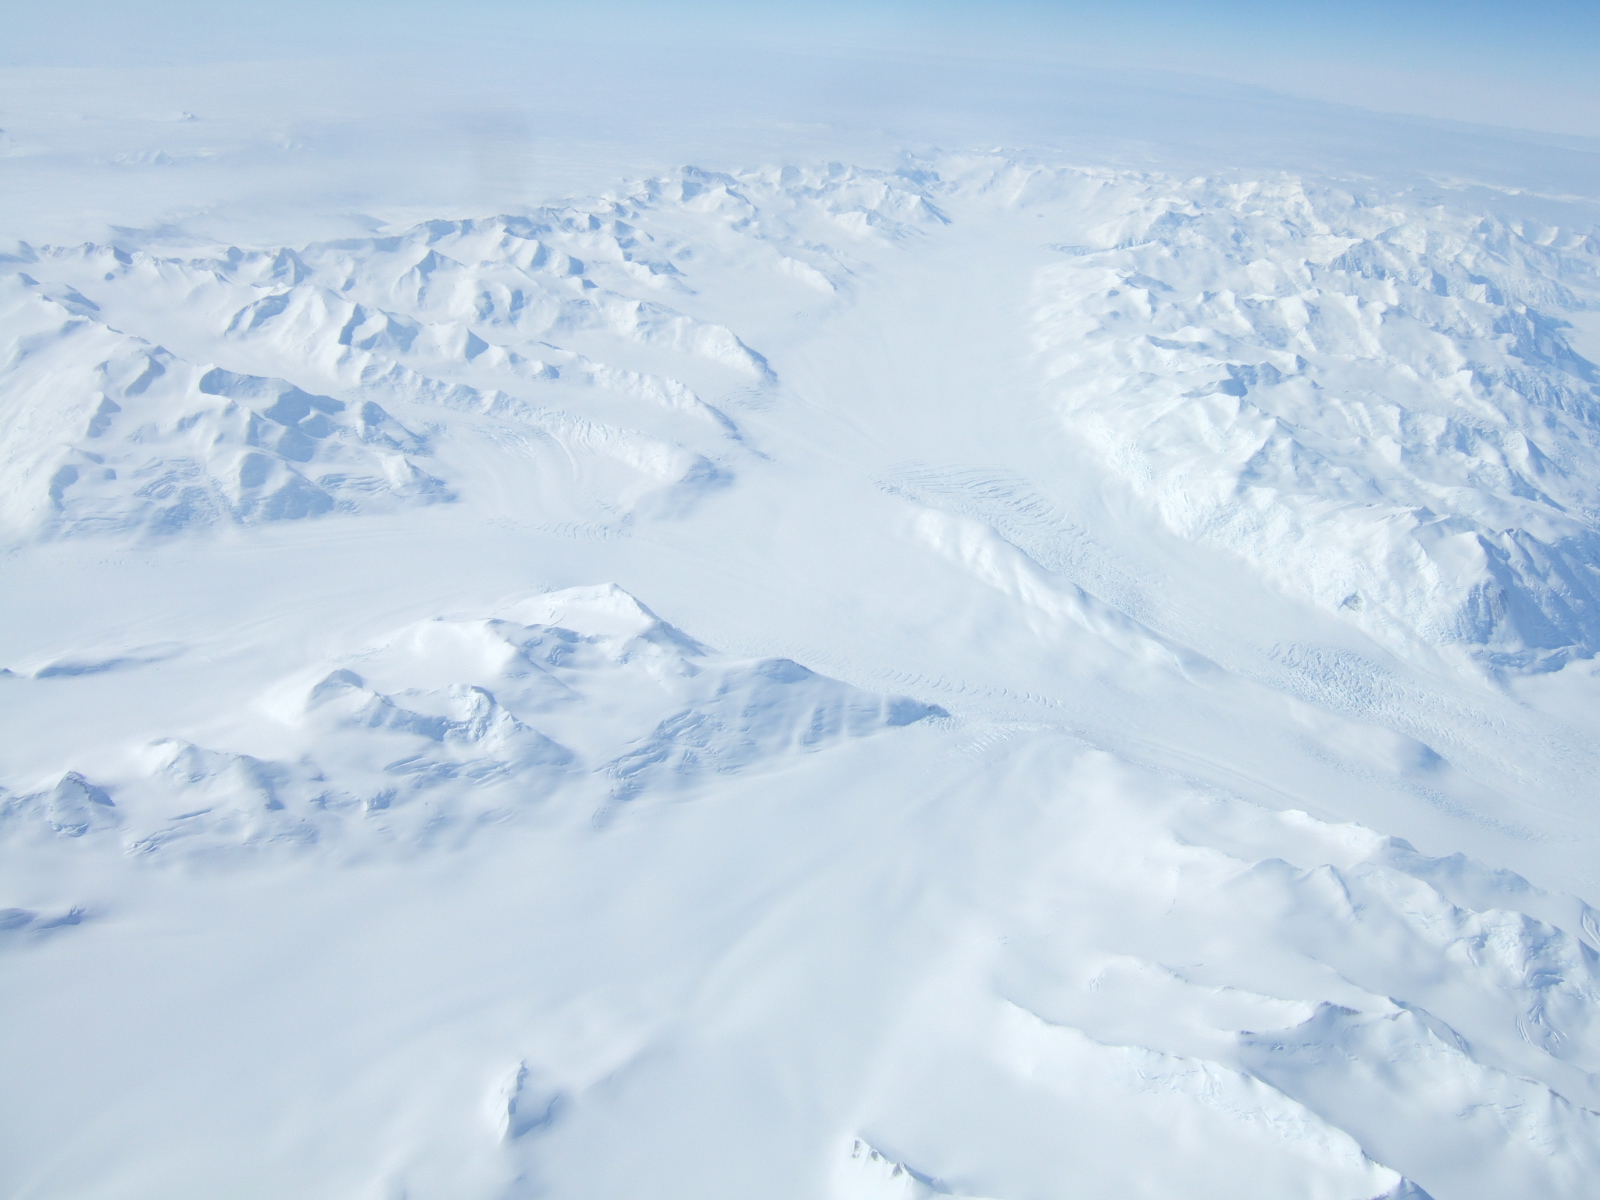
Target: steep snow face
(574, 341)
(1371, 399)
(108, 433)
(1195, 581)
(451, 724)
(393, 320)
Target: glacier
(998, 672)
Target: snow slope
(1120, 723)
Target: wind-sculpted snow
(453, 723)
(1154, 956)
(70, 808)
(1188, 792)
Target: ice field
(809, 660)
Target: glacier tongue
(1142, 740)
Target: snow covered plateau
(1007, 673)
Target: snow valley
(991, 676)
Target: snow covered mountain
(1148, 748)
(1371, 399)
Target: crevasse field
(822, 659)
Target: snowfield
(999, 676)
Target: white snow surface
(999, 676)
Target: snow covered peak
(1373, 400)
(1104, 663)
(449, 723)
(1380, 402)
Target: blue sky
(1527, 65)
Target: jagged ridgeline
(1379, 402)
(1374, 399)
(450, 724)
(1146, 540)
